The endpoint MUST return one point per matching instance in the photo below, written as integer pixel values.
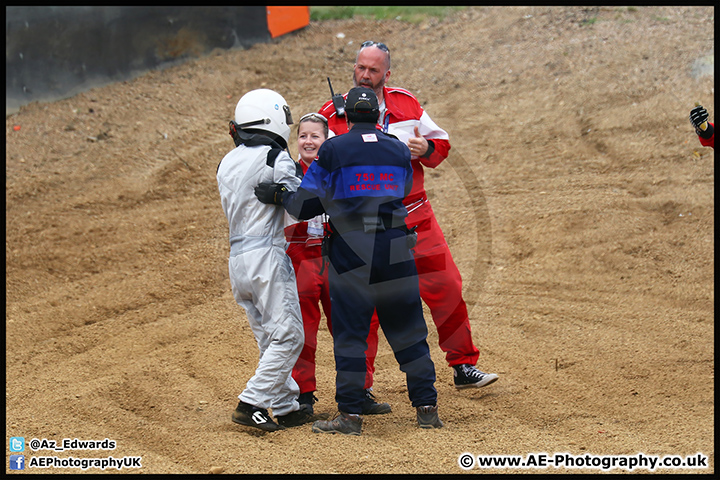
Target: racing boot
(252, 416)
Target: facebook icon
(17, 462)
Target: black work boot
(296, 418)
(307, 400)
(371, 407)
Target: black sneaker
(246, 414)
(371, 407)
(296, 418)
(467, 376)
(307, 400)
(345, 423)
(427, 417)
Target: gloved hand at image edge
(699, 119)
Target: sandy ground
(577, 202)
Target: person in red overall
(704, 129)
(304, 240)
(440, 281)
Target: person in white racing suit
(261, 273)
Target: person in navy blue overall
(360, 179)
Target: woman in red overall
(304, 248)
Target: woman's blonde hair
(315, 118)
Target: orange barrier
(281, 20)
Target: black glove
(698, 116)
(270, 192)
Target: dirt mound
(577, 201)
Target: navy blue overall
(360, 179)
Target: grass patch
(411, 14)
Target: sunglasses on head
(313, 115)
(380, 45)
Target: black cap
(361, 99)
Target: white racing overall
(261, 273)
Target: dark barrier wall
(56, 52)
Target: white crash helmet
(264, 109)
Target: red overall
(304, 251)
